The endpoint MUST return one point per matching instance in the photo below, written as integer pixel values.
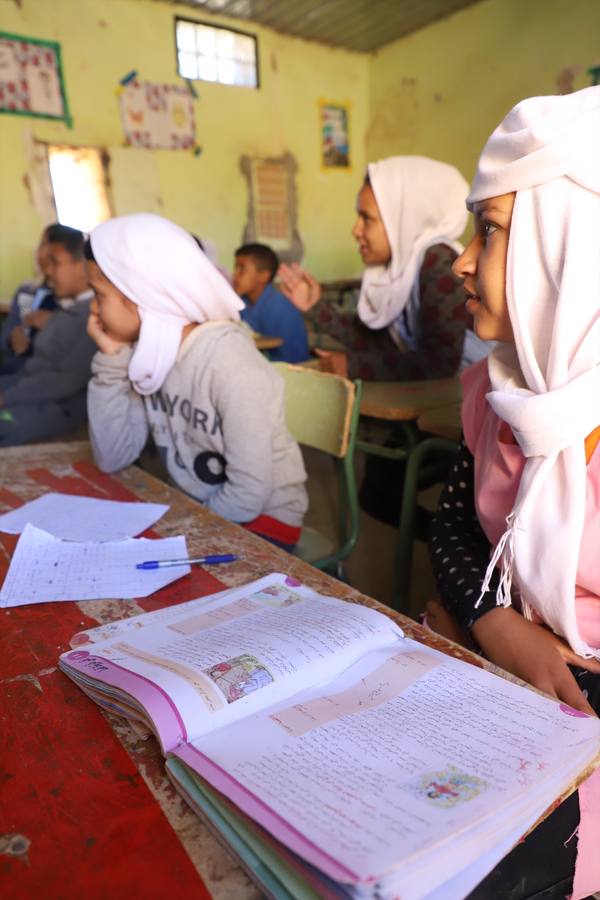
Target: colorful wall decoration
(157, 116)
(335, 141)
(31, 80)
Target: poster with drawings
(157, 116)
(335, 136)
(31, 82)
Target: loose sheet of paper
(44, 568)
(83, 518)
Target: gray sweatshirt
(218, 421)
(60, 366)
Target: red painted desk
(85, 808)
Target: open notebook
(370, 764)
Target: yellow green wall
(440, 91)
(437, 92)
(101, 40)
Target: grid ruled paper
(44, 568)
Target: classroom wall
(102, 40)
(438, 92)
(442, 90)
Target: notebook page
(44, 568)
(384, 781)
(238, 655)
(75, 518)
(271, 597)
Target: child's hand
(105, 342)
(333, 361)
(299, 286)
(534, 654)
(38, 318)
(19, 340)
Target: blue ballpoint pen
(205, 560)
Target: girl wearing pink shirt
(516, 541)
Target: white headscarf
(547, 387)
(161, 268)
(421, 203)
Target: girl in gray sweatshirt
(174, 362)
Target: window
(79, 183)
(213, 53)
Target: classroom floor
(370, 567)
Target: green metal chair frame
(439, 453)
(322, 411)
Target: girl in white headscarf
(174, 363)
(525, 490)
(411, 321)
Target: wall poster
(31, 78)
(335, 135)
(157, 116)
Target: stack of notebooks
(333, 755)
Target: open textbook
(336, 756)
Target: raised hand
(333, 361)
(299, 286)
(38, 318)
(19, 340)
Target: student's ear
(263, 276)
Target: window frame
(104, 161)
(214, 25)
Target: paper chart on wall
(73, 518)
(157, 116)
(31, 77)
(44, 568)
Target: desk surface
(85, 802)
(264, 342)
(443, 421)
(402, 401)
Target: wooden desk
(264, 342)
(86, 809)
(399, 401)
(443, 421)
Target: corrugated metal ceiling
(353, 24)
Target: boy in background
(267, 311)
(30, 309)
(47, 397)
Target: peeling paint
(32, 679)
(14, 844)
(219, 870)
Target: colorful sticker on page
(239, 676)
(203, 687)
(447, 788)
(384, 683)
(276, 595)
